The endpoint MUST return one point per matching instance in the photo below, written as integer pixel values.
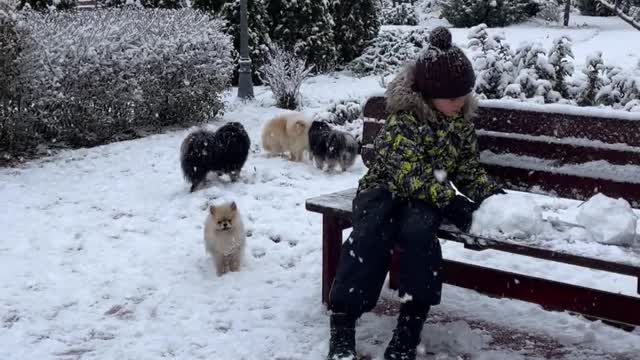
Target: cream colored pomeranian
(287, 133)
(224, 237)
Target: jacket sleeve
(471, 178)
(408, 165)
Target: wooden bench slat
(339, 205)
(562, 153)
(563, 185)
(559, 125)
(612, 130)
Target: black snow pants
(380, 222)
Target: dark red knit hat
(443, 71)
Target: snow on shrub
(94, 77)
(466, 13)
(389, 51)
(344, 111)
(492, 61)
(400, 14)
(284, 73)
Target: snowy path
(101, 257)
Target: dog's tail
(192, 156)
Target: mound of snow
(514, 216)
(610, 221)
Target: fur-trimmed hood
(402, 98)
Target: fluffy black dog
(331, 147)
(224, 151)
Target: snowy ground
(102, 258)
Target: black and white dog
(224, 151)
(331, 147)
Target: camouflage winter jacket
(419, 151)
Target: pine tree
(392, 13)
(162, 4)
(274, 10)
(38, 5)
(494, 13)
(306, 28)
(492, 62)
(560, 57)
(356, 24)
(209, 5)
(535, 74)
(593, 70)
(259, 40)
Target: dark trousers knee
(421, 264)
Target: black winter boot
(406, 335)
(342, 344)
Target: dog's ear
(233, 206)
(212, 209)
(300, 126)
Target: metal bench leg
(331, 245)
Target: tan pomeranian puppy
(224, 237)
(287, 133)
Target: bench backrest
(569, 155)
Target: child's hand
(460, 212)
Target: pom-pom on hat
(443, 71)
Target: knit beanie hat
(443, 71)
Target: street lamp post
(245, 83)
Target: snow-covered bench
(544, 149)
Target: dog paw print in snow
(258, 252)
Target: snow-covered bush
(633, 106)
(305, 27)
(14, 37)
(344, 111)
(534, 73)
(259, 40)
(401, 14)
(494, 13)
(561, 58)
(10, 47)
(149, 4)
(531, 75)
(548, 10)
(492, 61)
(94, 77)
(284, 73)
(621, 87)
(163, 4)
(356, 24)
(389, 51)
(209, 5)
(593, 71)
(593, 8)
